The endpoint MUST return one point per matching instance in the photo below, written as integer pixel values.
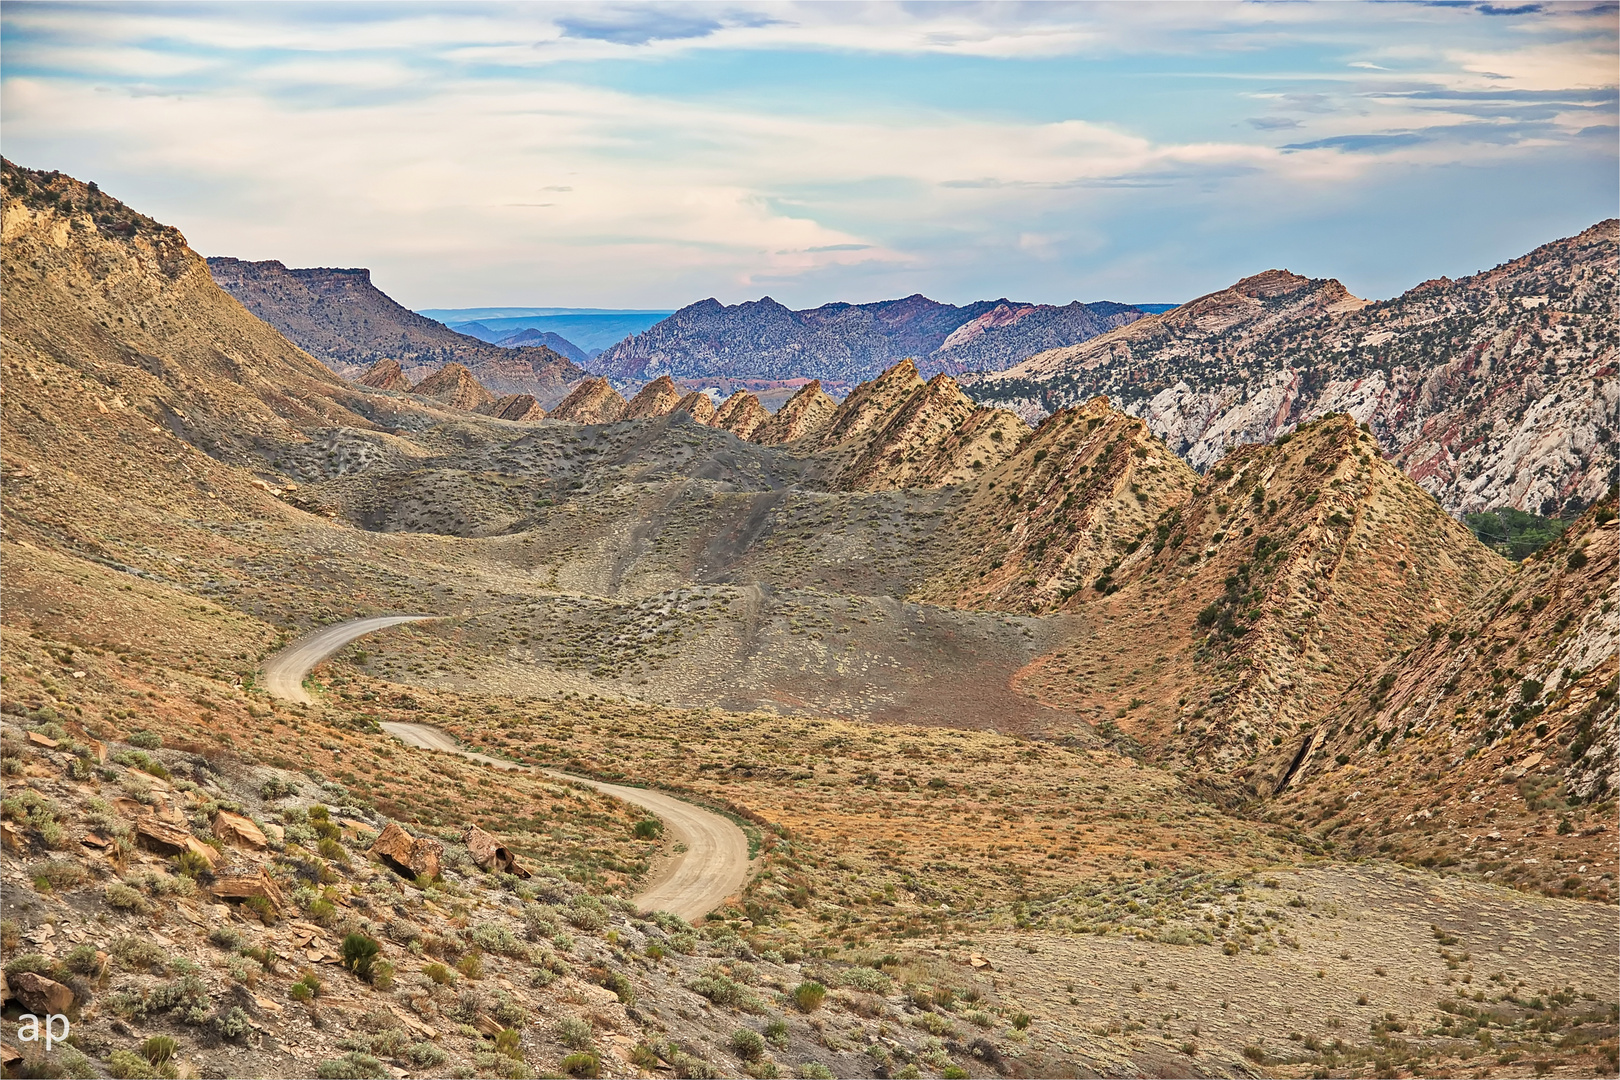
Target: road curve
(284, 672)
(692, 883)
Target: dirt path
(284, 672)
(710, 860)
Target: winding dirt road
(691, 883)
(284, 672)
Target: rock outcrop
(802, 416)
(385, 374)
(741, 414)
(657, 398)
(698, 405)
(520, 407)
(593, 401)
(454, 385)
(413, 856)
(1497, 389)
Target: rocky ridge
(347, 323)
(1498, 389)
(845, 344)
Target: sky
(651, 155)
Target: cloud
(425, 140)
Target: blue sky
(651, 155)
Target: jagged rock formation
(655, 399)
(1246, 612)
(741, 414)
(454, 385)
(593, 401)
(1063, 511)
(898, 431)
(802, 416)
(699, 405)
(521, 407)
(1504, 711)
(1499, 389)
(347, 323)
(845, 344)
(385, 374)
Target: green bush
(582, 1064)
(146, 740)
(81, 960)
(747, 1044)
(425, 1055)
(574, 1033)
(158, 1049)
(777, 1032)
(808, 996)
(127, 1065)
(649, 829)
(360, 954)
(121, 896)
(59, 874)
(138, 954)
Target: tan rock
(593, 401)
(698, 404)
(167, 839)
(413, 856)
(10, 836)
(488, 853)
(244, 883)
(742, 415)
(385, 375)
(238, 830)
(42, 740)
(655, 399)
(805, 415)
(520, 407)
(40, 995)
(455, 386)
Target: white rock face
(1502, 389)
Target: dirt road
(709, 860)
(284, 672)
(690, 884)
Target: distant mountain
(1498, 389)
(590, 329)
(555, 342)
(843, 344)
(339, 317)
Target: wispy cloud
(597, 154)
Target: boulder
(244, 883)
(488, 853)
(165, 839)
(238, 830)
(10, 836)
(40, 995)
(413, 856)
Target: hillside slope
(1498, 389)
(346, 322)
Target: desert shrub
(582, 1064)
(360, 954)
(470, 1004)
(808, 996)
(621, 986)
(128, 1065)
(232, 1024)
(587, 913)
(722, 990)
(81, 960)
(306, 988)
(146, 740)
(953, 1072)
(686, 943)
(328, 848)
(871, 980)
(747, 1044)
(352, 1066)
(34, 962)
(425, 1055)
(158, 1049)
(777, 1032)
(139, 954)
(123, 897)
(1020, 1021)
(538, 924)
(471, 965)
(58, 874)
(439, 974)
(226, 937)
(509, 1011)
(649, 829)
(575, 1033)
(189, 864)
(495, 938)
(644, 1057)
(276, 788)
(815, 1070)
